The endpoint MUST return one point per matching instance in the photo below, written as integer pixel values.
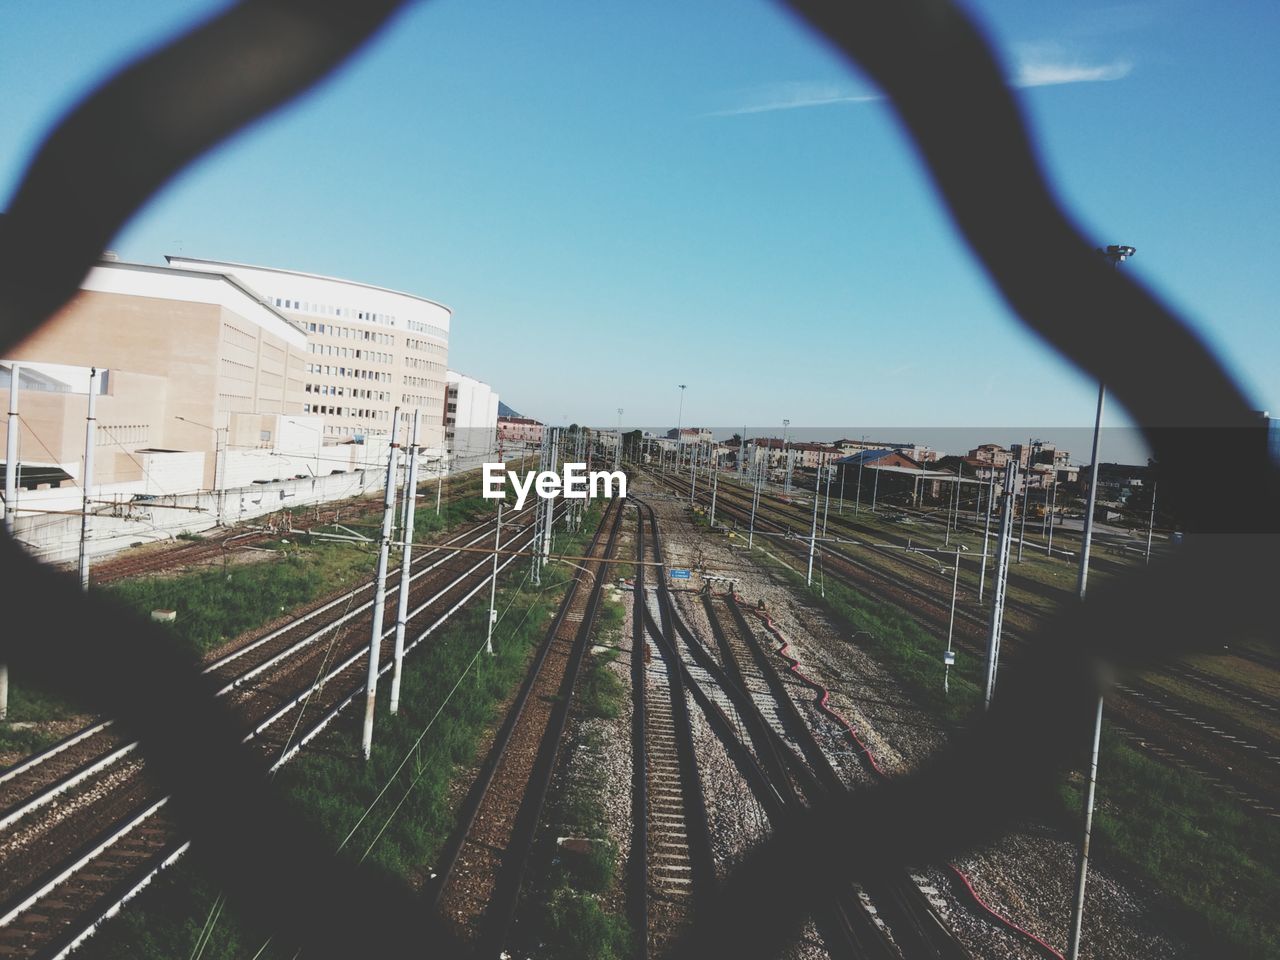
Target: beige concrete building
(369, 349)
(193, 364)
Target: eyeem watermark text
(575, 484)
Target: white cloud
(793, 96)
(1045, 65)
(1037, 65)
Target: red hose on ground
(823, 704)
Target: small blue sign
(679, 574)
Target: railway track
(788, 771)
(211, 548)
(671, 864)
(477, 882)
(1239, 760)
(82, 828)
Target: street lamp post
(1116, 254)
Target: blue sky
(616, 198)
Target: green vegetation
(437, 731)
(600, 692)
(577, 924)
(1214, 861)
(215, 605)
(32, 704)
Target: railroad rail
(1236, 760)
(477, 880)
(672, 865)
(71, 864)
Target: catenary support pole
(549, 504)
(406, 559)
(1053, 509)
(1151, 522)
(86, 482)
(875, 489)
(1091, 500)
(380, 593)
(1026, 499)
(715, 487)
(951, 626)
(1001, 580)
(1082, 873)
(755, 502)
(813, 537)
(13, 425)
(986, 535)
(493, 584)
(826, 506)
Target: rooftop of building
(310, 276)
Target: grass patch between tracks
(1214, 863)
(331, 787)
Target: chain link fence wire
(111, 153)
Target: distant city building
(989, 453)
(800, 453)
(470, 417)
(1039, 452)
(690, 435)
(370, 349)
(916, 451)
(518, 430)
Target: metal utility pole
(1117, 254)
(406, 556)
(826, 507)
(949, 657)
(380, 592)
(742, 455)
(1090, 501)
(493, 584)
(755, 502)
(1026, 499)
(617, 454)
(986, 533)
(693, 473)
(1151, 521)
(953, 507)
(1053, 509)
(857, 503)
(535, 560)
(549, 504)
(786, 461)
(10, 498)
(875, 490)
(1001, 579)
(813, 538)
(715, 487)
(842, 473)
(90, 429)
(1090, 788)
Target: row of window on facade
(350, 333)
(354, 353)
(359, 413)
(329, 310)
(426, 346)
(354, 372)
(416, 363)
(356, 393)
